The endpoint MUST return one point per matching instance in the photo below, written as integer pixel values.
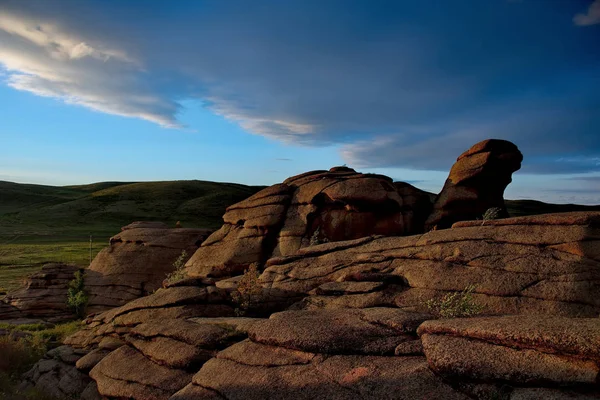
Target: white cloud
(43, 58)
(591, 17)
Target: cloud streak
(42, 58)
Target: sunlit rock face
(311, 208)
(476, 183)
(137, 261)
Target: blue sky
(256, 91)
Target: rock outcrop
(330, 252)
(315, 207)
(541, 264)
(333, 354)
(137, 261)
(476, 183)
(43, 296)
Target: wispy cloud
(591, 17)
(43, 58)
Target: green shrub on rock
(179, 272)
(455, 304)
(249, 290)
(491, 213)
(77, 297)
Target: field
(40, 224)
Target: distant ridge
(102, 208)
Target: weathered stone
(532, 349)
(515, 268)
(312, 208)
(476, 183)
(116, 377)
(44, 295)
(336, 377)
(369, 331)
(136, 262)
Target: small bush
(249, 290)
(455, 304)
(317, 237)
(77, 297)
(19, 355)
(491, 213)
(179, 272)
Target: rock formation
(137, 261)
(355, 322)
(315, 207)
(352, 331)
(538, 264)
(476, 183)
(43, 296)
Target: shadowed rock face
(476, 183)
(315, 207)
(136, 262)
(44, 295)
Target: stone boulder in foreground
(137, 261)
(476, 183)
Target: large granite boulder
(308, 209)
(137, 261)
(43, 296)
(476, 183)
(541, 264)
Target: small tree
(179, 272)
(249, 290)
(455, 304)
(77, 297)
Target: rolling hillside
(102, 208)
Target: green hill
(102, 208)
(40, 223)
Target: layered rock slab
(56, 375)
(522, 350)
(334, 354)
(165, 353)
(543, 264)
(137, 261)
(44, 295)
(311, 208)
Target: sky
(256, 91)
